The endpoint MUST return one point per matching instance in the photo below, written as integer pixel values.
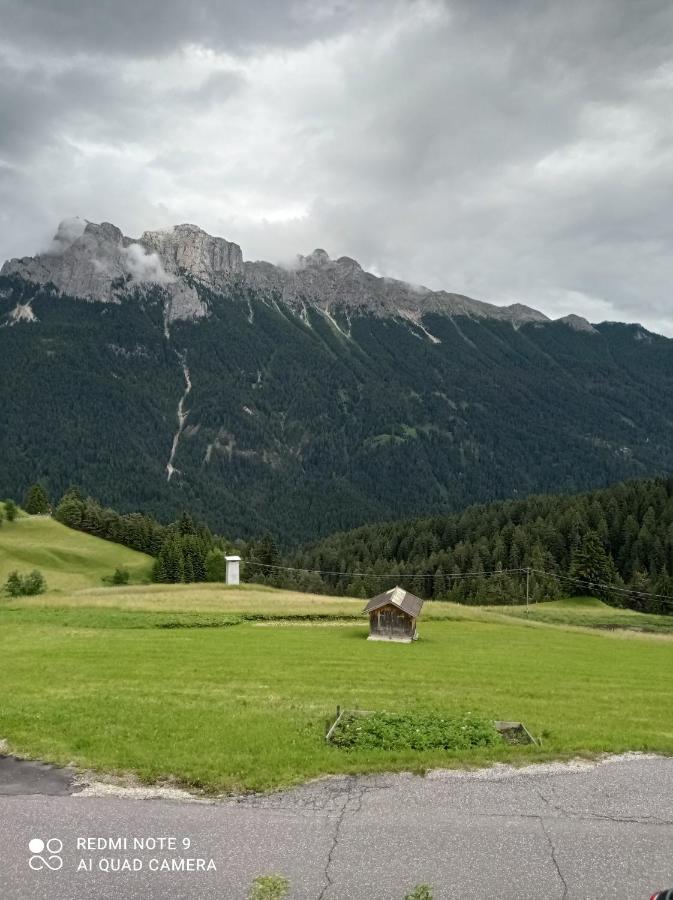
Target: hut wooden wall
(389, 621)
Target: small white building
(233, 569)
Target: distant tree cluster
(36, 503)
(183, 551)
(183, 554)
(25, 585)
(134, 530)
(620, 536)
(263, 564)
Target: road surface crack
(352, 803)
(550, 805)
(552, 850)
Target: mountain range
(167, 372)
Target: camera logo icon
(45, 854)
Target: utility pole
(527, 588)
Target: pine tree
(169, 567)
(186, 524)
(267, 551)
(215, 566)
(594, 568)
(159, 570)
(37, 501)
(194, 556)
(640, 584)
(187, 569)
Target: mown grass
(69, 560)
(115, 686)
(243, 599)
(589, 612)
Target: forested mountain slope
(262, 400)
(622, 535)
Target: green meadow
(589, 612)
(69, 560)
(231, 689)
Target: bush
(413, 731)
(25, 585)
(34, 583)
(14, 586)
(121, 576)
(10, 510)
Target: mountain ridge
(98, 262)
(304, 401)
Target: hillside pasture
(69, 560)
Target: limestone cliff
(98, 262)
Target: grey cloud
(144, 266)
(216, 88)
(153, 27)
(514, 151)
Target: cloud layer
(518, 151)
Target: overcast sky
(511, 150)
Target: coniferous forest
(184, 551)
(615, 543)
(573, 544)
(301, 428)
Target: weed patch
(413, 731)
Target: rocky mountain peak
(578, 323)
(188, 249)
(98, 262)
(525, 312)
(348, 265)
(319, 257)
(106, 231)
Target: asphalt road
(575, 831)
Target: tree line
(616, 543)
(621, 536)
(184, 550)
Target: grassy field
(69, 560)
(589, 612)
(116, 679)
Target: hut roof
(407, 602)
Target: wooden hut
(392, 616)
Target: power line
(666, 599)
(394, 575)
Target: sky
(510, 150)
